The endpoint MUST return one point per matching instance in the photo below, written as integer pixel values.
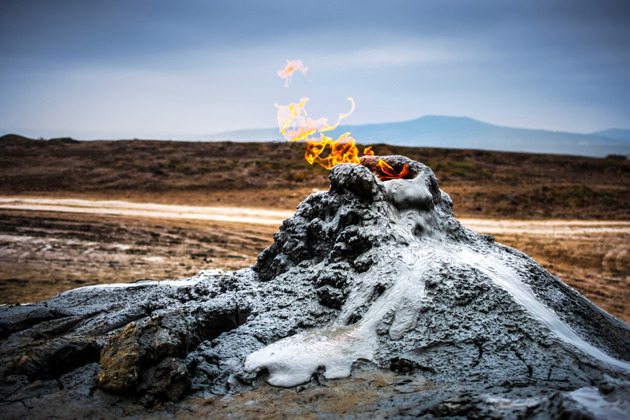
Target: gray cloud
(558, 63)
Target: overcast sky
(182, 69)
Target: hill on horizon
(464, 133)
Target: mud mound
(370, 276)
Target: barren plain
(81, 213)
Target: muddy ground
(44, 252)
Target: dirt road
(49, 245)
(556, 228)
(142, 210)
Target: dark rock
(169, 380)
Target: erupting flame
(295, 125)
(287, 72)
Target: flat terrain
(483, 184)
(164, 210)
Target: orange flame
(287, 72)
(295, 125)
(389, 173)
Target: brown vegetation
(481, 183)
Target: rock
(120, 360)
(367, 280)
(169, 380)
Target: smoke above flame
(295, 125)
(287, 72)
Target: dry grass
(481, 183)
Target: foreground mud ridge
(373, 288)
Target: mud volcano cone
(371, 276)
(411, 286)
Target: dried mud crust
(367, 276)
(45, 253)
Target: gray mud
(369, 278)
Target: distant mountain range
(465, 133)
